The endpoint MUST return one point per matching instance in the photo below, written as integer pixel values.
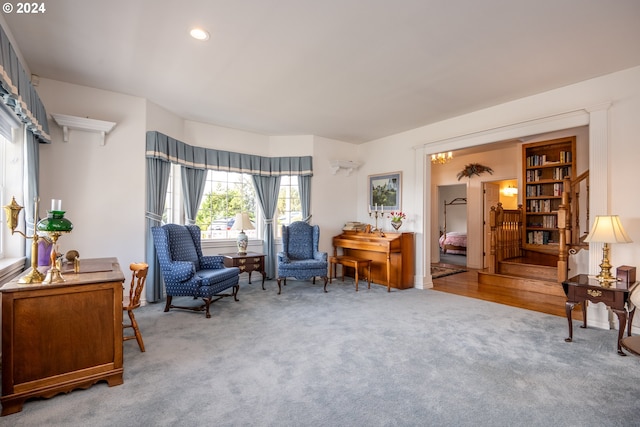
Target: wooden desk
(581, 288)
(392, 256)
(247, 263)
(59, 337)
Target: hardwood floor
(466, 284)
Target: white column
(597, 314)
(422, 234)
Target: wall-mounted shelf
(347, 165)
(84, 124)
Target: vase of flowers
(396, 219)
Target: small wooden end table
(582, 288)
(247, 263)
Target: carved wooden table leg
(568, 306)
(584, 314)
(622, 323)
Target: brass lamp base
(605, 277)
(33, 276)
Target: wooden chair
(138, 278)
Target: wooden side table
(247, 263)
(582, 288)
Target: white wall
(102, 187)
(332, 196)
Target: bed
(453, 242)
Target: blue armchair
(187, 272)
(300, 257)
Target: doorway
(504, 191)
(452, 224)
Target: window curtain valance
(160, 146)
(18, 93)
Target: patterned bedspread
(455, 242)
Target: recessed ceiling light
(199, 34)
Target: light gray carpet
(372, 358)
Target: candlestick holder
(377, 214)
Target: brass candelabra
(377, 214)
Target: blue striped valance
(163, 147)
(18, 93)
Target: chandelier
(441, 158)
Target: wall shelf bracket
(347, 165)
(68, 123)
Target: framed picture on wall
(385, 191)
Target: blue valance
(163, 147)
(18, 93)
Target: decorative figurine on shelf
(396, 219)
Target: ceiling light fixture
(441, 158)
(199, 34)
(510, 191)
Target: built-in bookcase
(545, 165)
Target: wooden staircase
(516, 265)
(527, 275)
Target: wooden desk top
(237, 255)
(92, 270)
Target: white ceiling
(352, 70)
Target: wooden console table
(62, 336)
(392, 256)
(582, 288)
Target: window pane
(167, 215)
(225, 195)
(289, 205)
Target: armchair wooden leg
(235, 292)
(279, 287)
(207, 303)
(168, 304)
(326, 279)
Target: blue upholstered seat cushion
(182, 246)
(209, 276)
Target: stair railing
(506, 235)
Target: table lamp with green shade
(55, 224)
